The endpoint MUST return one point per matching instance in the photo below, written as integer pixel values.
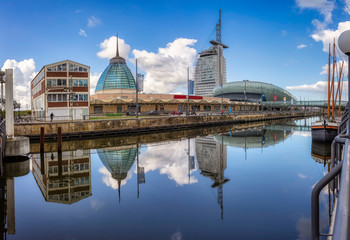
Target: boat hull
(324, 134)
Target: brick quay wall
(115, 127)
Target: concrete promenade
(102, 128)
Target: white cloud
(300, 46)
(284, 33)
(93, 21)
(166, 70)
(302, 133)
(302, 176)
(109, 181)
(337, 70)
(108, 48)
(347, 6)
(320, 86)
(96, 204)
(327, 36)
(170, 159)
(23, 73)
(93, 81)
(176, 236)
(325, 7)
(318, 89)
(82, 32)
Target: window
(81, 97)
(56, 97)
(76, 68)
(38, 78)
(75, 97)
(97, 109)
(80, 82)
(58, 68)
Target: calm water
(240, 184)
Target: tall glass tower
(211, 66)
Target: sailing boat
(327, 130)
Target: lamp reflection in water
(212, 161)
(63, 177)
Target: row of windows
(58, 68)
(36, 89)
(41, 75)
(63, 82)
(64, 196)
(76, 68)
(56, 82)
(57, 97)
(63, 68)
(80, 82)
(63, 97)
(80, 97)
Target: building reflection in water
(9, 171)
(212, 161)
(119, 160)
(63, 177)
(256, 137)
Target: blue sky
(262, 37)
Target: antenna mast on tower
(218, 29)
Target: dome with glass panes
(117, 77)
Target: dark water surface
(241, 184)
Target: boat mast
(329, 72)
(333, 100)
(338, 87)
(340, 93)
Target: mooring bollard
(42, 139)
(59, 139)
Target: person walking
(51, 116)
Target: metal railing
(339, 179)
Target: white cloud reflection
(170, 159)
(109, 181)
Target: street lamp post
(137, 93)
(2, 74)
(344, 45)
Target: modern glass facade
(116, 76)
(252, 91)
(118, 162)
(206, 75)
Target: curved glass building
(118, 162)
(252, 91)
(117, 77)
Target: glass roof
(266, 89)
(116, 76)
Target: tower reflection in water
(212, 161)
(119, 160)
(63, 177)
(9, 171)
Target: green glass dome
(252, 91)
(118, 162)
(116, 76)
